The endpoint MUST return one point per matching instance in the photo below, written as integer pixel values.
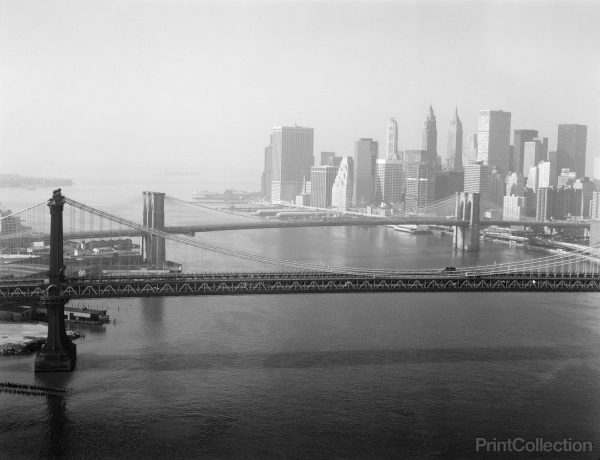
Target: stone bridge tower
(153, 247)
(467, 209)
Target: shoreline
(20, 339)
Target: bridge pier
(153, 247)
(58, 353)
(467, 209)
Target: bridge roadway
(301, 283)
(273, 223)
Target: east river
(419, 375)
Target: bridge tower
(58, 353)
(153, 247)
(467, 208)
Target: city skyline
(79, 82)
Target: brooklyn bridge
(79, 251)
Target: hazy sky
(133, 86)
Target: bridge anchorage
(58, 353)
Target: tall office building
(520, 137)
(453, 160)
(493, 139)
(584, 190)
(389, 181)
(533, 179)
(571, 147)
(392, 140)
(414, 156)
(594, 211)
(497, 186)
(420, 185)
(470, 153)
(341, 191)
(321, 182)
(292, 158)
(365, 158)
(329, 159)
(266, 176)
(533, 152)
(515, 184)
(430, 137)
(477, 180)
(546, 174)
(545, 204)
(566, 178)
(514, 207)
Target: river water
(418, 375)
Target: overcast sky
(93, 86)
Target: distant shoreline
(17, 181)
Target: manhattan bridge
(62, 249)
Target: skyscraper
(420, 185)
(533, 152)
(515, 184)
(341, 191)
(388, 181)
(493, 139)
(521, 136)
(571, 147)
(546, 174)
(497, 186)
(292, 158)
(266, 177)
(430, 137)
(453, 160)
(477, 180)
(365, 158)
(392, 140)
(321, 183)
(470, 155)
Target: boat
(413, 229)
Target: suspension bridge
(83, 263)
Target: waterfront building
(265, 188)
(420, 185)
(546, 203)
(477, 179)
(520, 137)
(497, 186)
(514, 207)
(430, 137)
(470, 152)
(321, 182)
(546, 174)
(389, 181)
(594, 211)
(584, 190)
(292, 158)
(571, 147)
(392, 140)
(515, 184)
(453, 160)
(533, 152)
(493, 139)
(365, 164)
(341, 191)
(595, 232)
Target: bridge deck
(290, 283)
